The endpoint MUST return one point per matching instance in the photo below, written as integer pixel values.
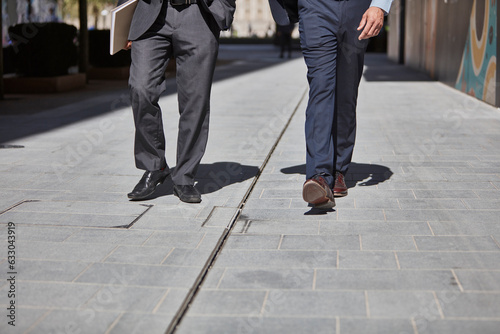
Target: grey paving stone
(478, 170)
(487, 216)
(211, 238)
(488, 194)
(275, 227)
(458, 326)
(444, 194)
(75, 207)
(435, 204)
(219, 216)
(445, 186)
(401, 304)
(294, 193)
(77, 320)
(315, 304)
(213, 278)
(175, 239)
(366, 260)
(39, 233)
(360, 214)
(363, 193)
(75, 220)
(463, 243)
(374, 203)
(479, 280)
(50, 271)
(227, 302)
(141, 323)
(61, 251)
(126, 299)
(478, 177)
(172, 302)
(52, 294)
(32, 218)
(246, 278)
(380, 228)
(304, 215)
(172, 212)
(248, 241)
(482, 204)
(381, 242)
(187, 257)
(267, 203)
(464, 228)
(449, 260)
(320, 242)
(139, 255)
(277, 259)
(109, 236)
(143, 275)
(168, 224)
(470, 304)
(364, 326)
(344, 203)
(382, 279)
(256, 324)
(25, 318)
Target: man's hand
(371, 23)
(128, 45)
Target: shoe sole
(194, 200)
(314, 194)
(160, 181)
(340, 194)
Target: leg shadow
(211, 178)
(358, 174)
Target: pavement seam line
(127, 227)
(227, 231)
(18, 204)
(114, 323)
(39, 320)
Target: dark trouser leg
(350, 62)
(149, 60)
(319, 46)
(195, 49)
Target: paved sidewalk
(414, 248)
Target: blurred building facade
(454, 41)
(17, 11)
(253, 19)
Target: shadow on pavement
(26, 115)
(365, 174)
(380, 68)
(211, 178)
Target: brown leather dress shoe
(317, 192)
(339, 188)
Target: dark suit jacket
(284, 12)
(147, 11)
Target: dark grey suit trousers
(191, 36)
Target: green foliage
(69, 8)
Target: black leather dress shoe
(188, 194)
(148, 183)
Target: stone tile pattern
(78, 272)
(413, 248)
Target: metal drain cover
(74, 213)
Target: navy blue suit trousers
(334, 57)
